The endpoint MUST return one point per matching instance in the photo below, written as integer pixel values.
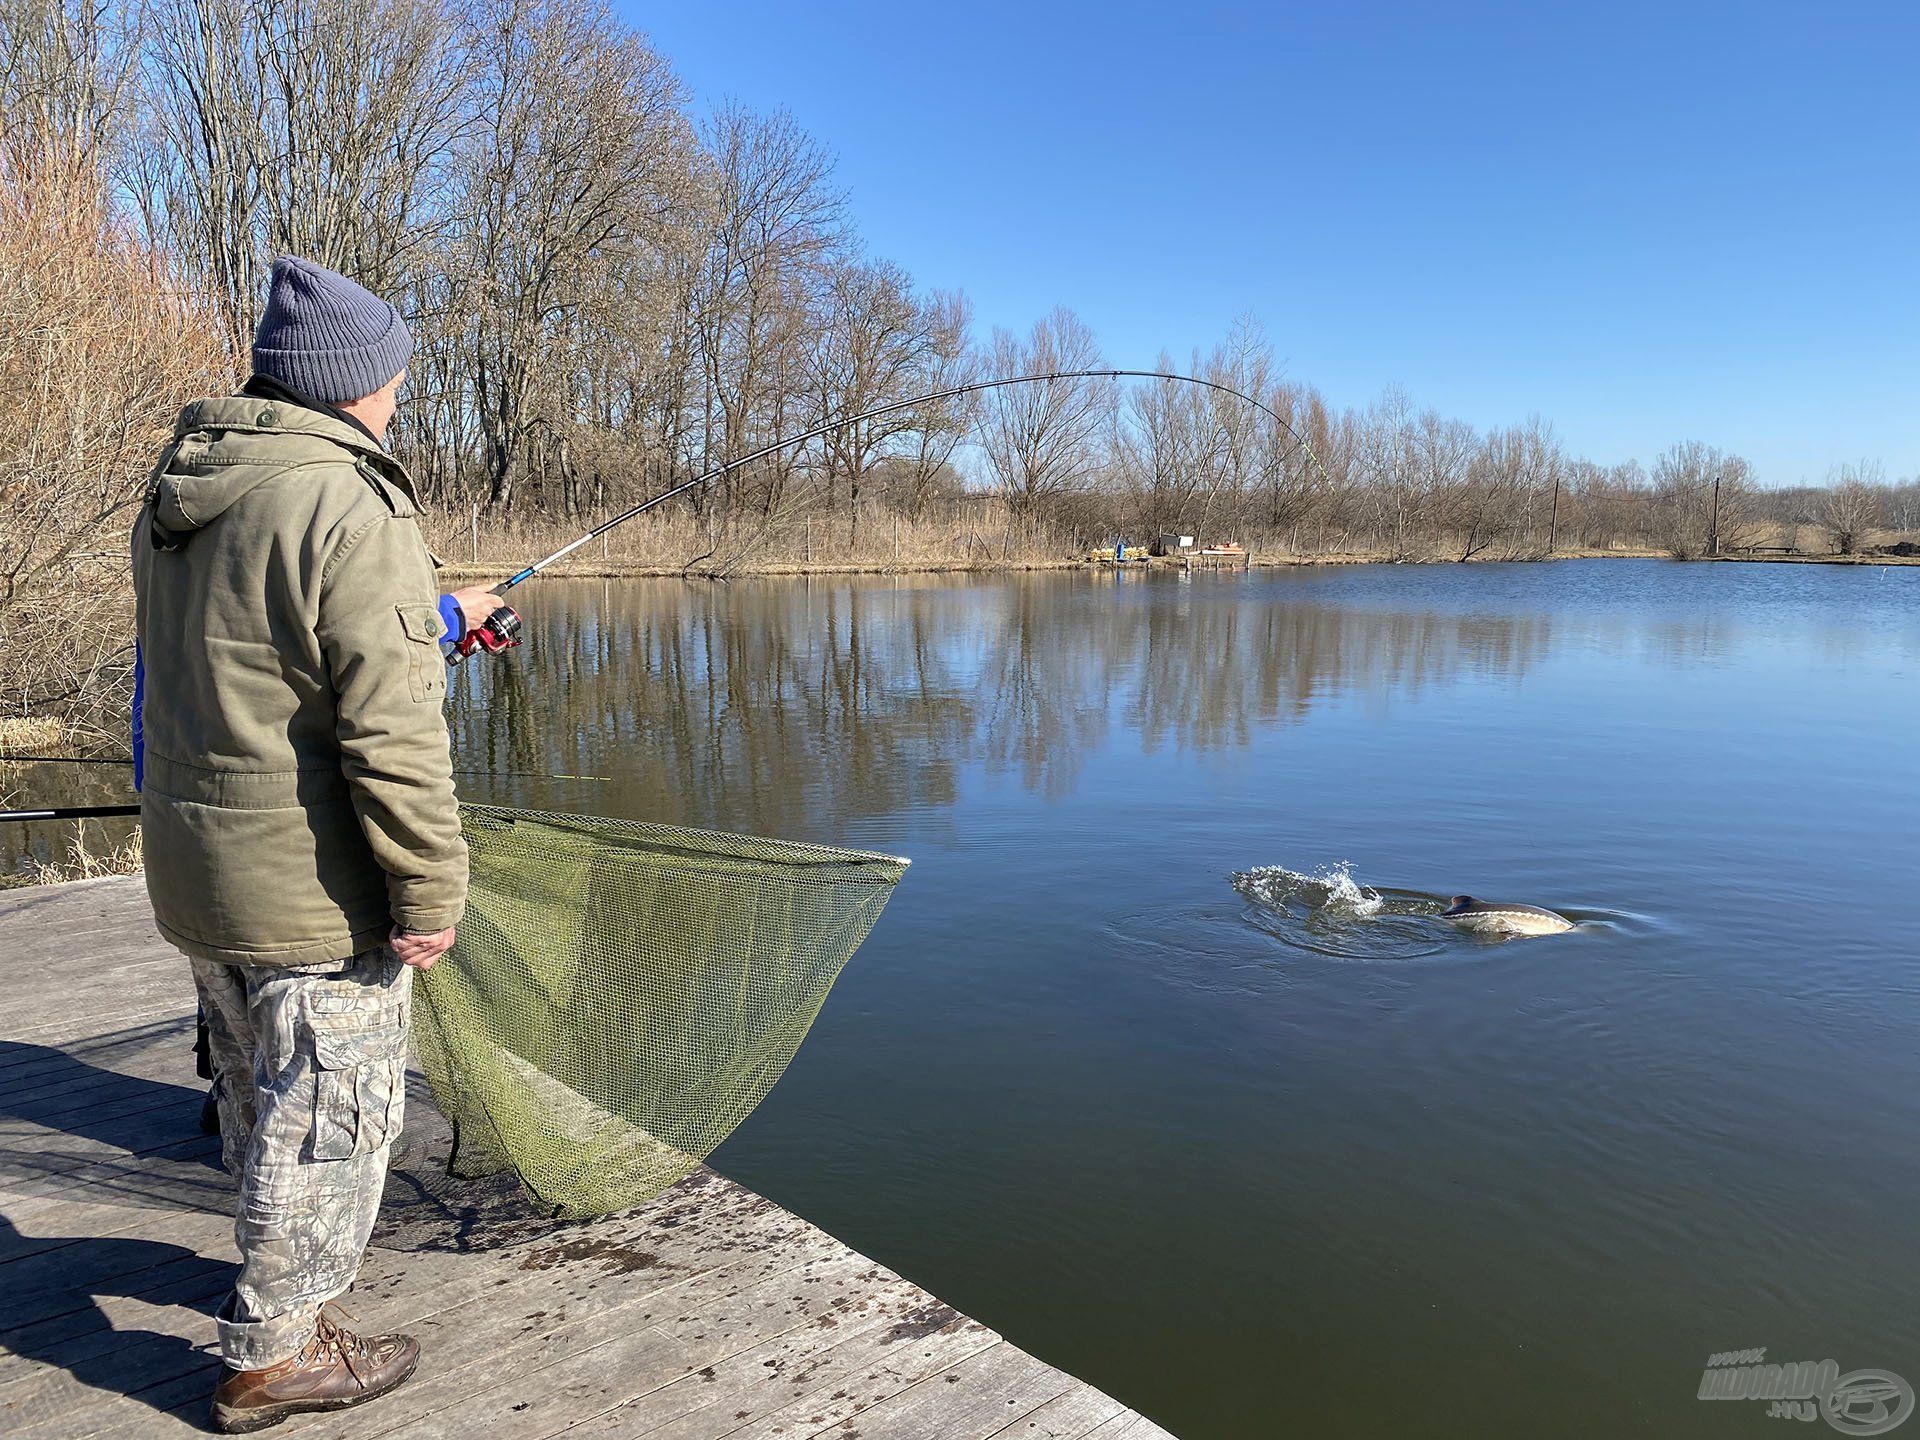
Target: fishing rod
(70, 812)
(122, 760)
(103, 812)
(63, 760)
(501, 630)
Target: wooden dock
(711, 1312)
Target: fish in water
(1491, 917)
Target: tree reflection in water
(786, 707)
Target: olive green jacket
(297, 799)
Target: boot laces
(333, 1340)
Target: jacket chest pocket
(360, 1083)
(426, 666)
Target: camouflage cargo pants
(310, 1066)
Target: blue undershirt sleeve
(455, 621)
(139, 725)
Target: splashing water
(1328, 912)
(1337, 888)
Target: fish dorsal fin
(1457, 901)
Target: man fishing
(302, 839)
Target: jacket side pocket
(426, 666)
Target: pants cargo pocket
(360, 1077)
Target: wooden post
(1713, 525)
(1553, 516)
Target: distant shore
(1818, 559)
(605, 569)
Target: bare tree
(576, 155)
(877, 344)
(778, 225)
(313, 127)
(65, 70)
(1163, 451)
(1505, 480)
(1703, 499)
(1251, 447)
(1391, 472)
(939, 426)
(1041, 441)
(1294, 449)
(1853, 503)
(99, 348)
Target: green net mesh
(622, 995)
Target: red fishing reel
(496, 635)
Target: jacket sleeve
(379, 629)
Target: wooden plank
(84, 1267)
(1065, 1417)
(128, 1048)
(864, 1369)
(79, 1312)
(583, 1362)
(41, 1089)
(77, 1222)
(109, 1114)
(972, 1400)
(182, 1176)
(100, 1326)
(698, 1403)
(1129, 1426)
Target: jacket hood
(225, 448)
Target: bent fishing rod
(501, 630)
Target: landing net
(622, 995)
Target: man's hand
(420, 951)
(476, 603)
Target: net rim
(791, 850)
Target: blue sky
(1645, 223)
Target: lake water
(1085, 1088)
(1245, 1156)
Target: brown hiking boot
(336, 1369)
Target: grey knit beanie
(327, 337)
